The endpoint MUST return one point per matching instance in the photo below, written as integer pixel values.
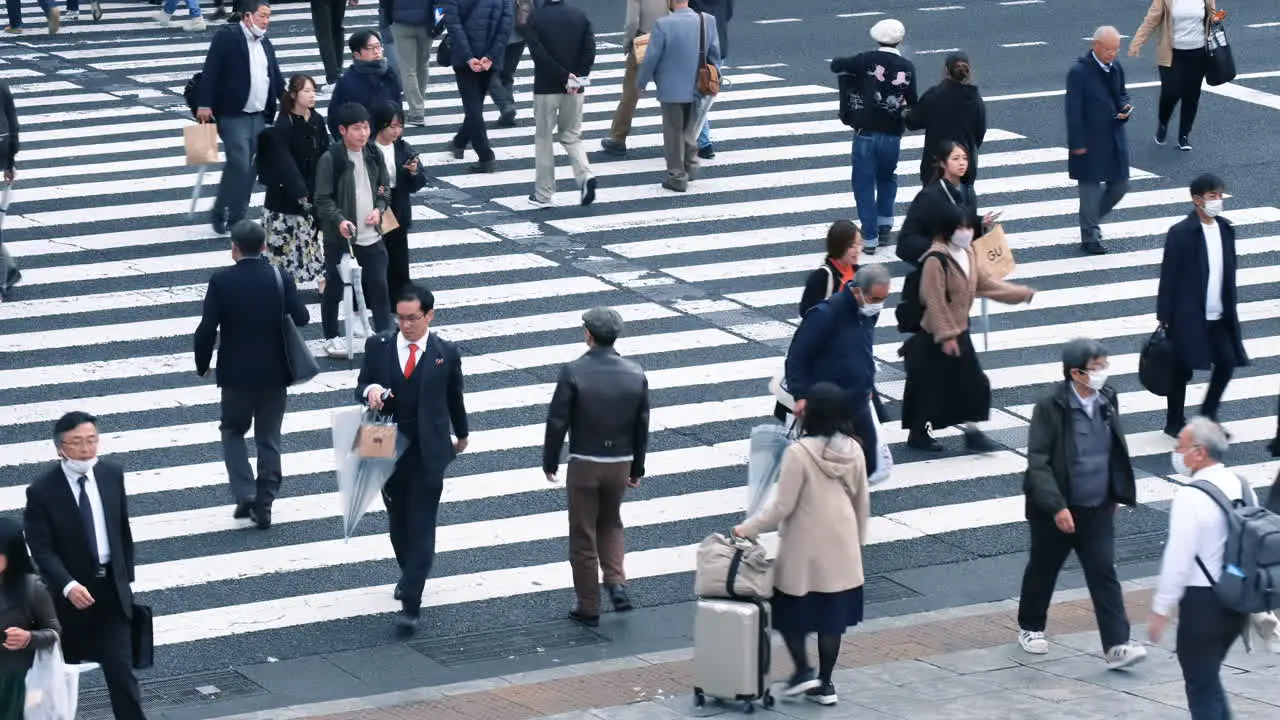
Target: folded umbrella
(195, 191)
(768, 443)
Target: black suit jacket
(440, 401)
(1184, 281)
(244, 302)
(60, 548)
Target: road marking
(1246, 94)
(1023, 2)
(941, 8)
(1265, 74)
(872, 13)
(937, 52)
(1264, 25)
(775, 21)
(1024, 44)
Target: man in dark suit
(238, 89)
(247, 301)
(415, 377)
(1196, 303)
(77, 526)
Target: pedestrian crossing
(115, 269)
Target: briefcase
(143, 637)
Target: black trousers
(1181, 82)
(103, 634)
(372, 260)
(327, 17)
(502, 83)
(1094, 542)
(1206, 632)
(412, 498)
(397, 242)
(472, 87)
(264, 408)
(1222, 350)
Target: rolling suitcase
(731, 652)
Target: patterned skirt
(293, 243)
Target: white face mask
(255, 30)
(871, 309)
(1213, 208)
(1180, 464)
(1097, 379)
(962, 238)
(79, 467)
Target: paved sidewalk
(952, 664)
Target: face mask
(1179, 463)
(871, 309)
(962, 238)
(79, 467)
(255, 30)
(1097, 379)
(1213, 208)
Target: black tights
(828, 652)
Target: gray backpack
(1250, 579)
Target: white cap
(888, 32)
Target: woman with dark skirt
(408, 176)
(26, 615)
(952, 110)
(290, 151)
(945, 384)
(822, 506)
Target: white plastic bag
(884, 459)
(53, 687)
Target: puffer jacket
(478, 29)
(413, 13)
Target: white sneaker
(164, 18)
(1033, 642)
(71, 16)
(1126, 655)
(196, 25)
(336, 348)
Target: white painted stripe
(1023, 2)
(776, 21)
(794, 178)
(1130, 86)
(133, 128)
(1139, 258)
(872, 13)
(1264, 25)
(49, 100)
(815, 203)
(86, 114)
(937, 51)
(1133, 228)
(941, 8)
(18, 73)
(1245, 94)
(43, 87)
(1241, 388)
(1033, 43)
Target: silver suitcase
(731, 652)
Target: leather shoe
(613, 147)
(1093, 247)
(583, 619)
(620, 597)
(219, 221)
(261, 517)
(484, 166)
(406, 620)
(243, 511)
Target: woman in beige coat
(1180, 53)
(822, 507)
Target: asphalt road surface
(708, 281)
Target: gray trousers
(415, 65)
(264, 408)
(1095, 203)
(557, 118)
(680, 130)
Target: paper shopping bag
(993, 252)
(201, 143)
(639, 47)
(376, 439)
(389, 222)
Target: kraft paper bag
(994, 253)
(201, 143)
(376, 440)
(389, 222)
(640, 46)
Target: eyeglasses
(406, 319)
(373, 47)
(81, 441)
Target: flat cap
(888, 32)
(604, 323)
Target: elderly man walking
(672, 62)
(641, 15)
(1097, 109)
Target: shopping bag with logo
(884, 458)
(993, 252)
(53, 687)
(201, 143)
(376, 437)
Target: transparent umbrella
(768, 442)
(360, 479)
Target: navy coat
(224, 81)
(1094, 98)
(244, 305)
(833, 344)
(362, 87)
(478, 29)
(1184, 279)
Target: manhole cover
(501, 644)
(165, 693)
(878, 589)
(1132, 549)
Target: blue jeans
(193, 7)
(704, 137)
(875, 181)
(239, 133)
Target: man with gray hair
(1097, 109)
(602, 401)
(1078, 470)
(834, 344)
(1192, 563)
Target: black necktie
(86, 517)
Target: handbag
(389, 222)
(734, 568)
(708, 75)
(142, 637)
(1158, 364)
(302, 364)
(444, 52)
(1220, 66)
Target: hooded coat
(823, 507)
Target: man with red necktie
(415, 376)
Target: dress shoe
(406, 620)
(977, 441)
(707, 152)
(583, 619)
(1162, 133)
(507, 118)
(261, 517)
(484, 166)
(885, 233)
(1093, 247)
(218, 219)
(454, 150)
(620, 597)
(1274, 447)
(613, 147)
(243, 511)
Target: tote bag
(1220, 65)
(302, 364)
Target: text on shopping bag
(994, 253)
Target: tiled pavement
(944, 665)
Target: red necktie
(413, 360)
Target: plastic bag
(360, 479)
(53, 687)
(768, 443)
(884, 458)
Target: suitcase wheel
(748, 707)
(767, 700)
(699, 699)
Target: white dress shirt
(99, 516)
(1197, 528)
(402, 351)
(1213, 251)
(259, 74)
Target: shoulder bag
(1220, 65)
(302, 364)
(708, 75)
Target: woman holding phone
(945, 187)
(407, 177)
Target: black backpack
(189, 92)
(910, 310)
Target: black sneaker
(1274, 447)
(1093, 247)
(588, 191)
(922, 440)
(1184, 143)
(218, 219)
(885, 231)
(1162, 134)
(613, 147)
(507, 119)
(584, 619)
(977, 441)
(800, 683)
(243, 511)
(483, 166)
(620, 597)
(406, 620)
(825, 694)
(707, 152)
